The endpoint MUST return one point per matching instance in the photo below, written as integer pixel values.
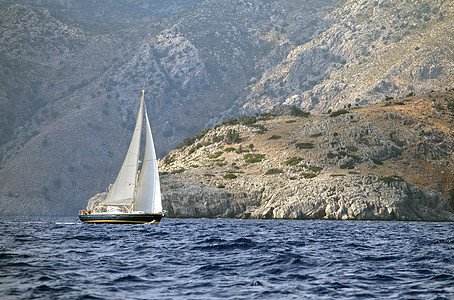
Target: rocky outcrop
(386, 162)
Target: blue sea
(62, 258)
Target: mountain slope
(72, 74)
(374, 49)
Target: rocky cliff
(392, 161)
(71, 73)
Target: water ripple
(49, 258)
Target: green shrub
(315, 169)
(251, 158)
(355, 157)
(337, 175)
(331, 155)
(293, 161)
(377, 161)
(304, 146)
(232, 137)
(215, 155)
(221, 186)
(230, 121)
(261, 128)
(217, 138)
(247, 120)
(347, 166)
(353, 172)
(273, 171)
(317, 135)
(338, 113)
(297, 112)
(229, 176)
(193, 149)
(389, 179)
(308, 175)
(190, 140)
(229, 149)
(266, 116)
(274, 137)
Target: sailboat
(135, 196)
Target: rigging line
(116, 149)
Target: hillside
(72, 71)
(390, 161)
(373, 49)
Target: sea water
(62, 258)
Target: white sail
(122, 191)
(148, 197)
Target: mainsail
(145, 192)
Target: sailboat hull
(121, 218)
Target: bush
(304, 145)
(261, 128)
(229, 176)
(297, 112)
(230, 121)
(273, 171)
(251, 158)
(215, 155)
(315, 169)
(229, 149)
(347, 166)
(169, 159)
(177, 171)
(317, 135)
(274, 137)
(389, 179)
(266, 116)
(331, 155)
(377, 161)
(232, 137)
(338, 113)
(190, 140)
(217, 138)
(308, 175)
(247, 120)
(293, 161)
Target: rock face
(385, 162)
(352, 197)
(71, 73)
